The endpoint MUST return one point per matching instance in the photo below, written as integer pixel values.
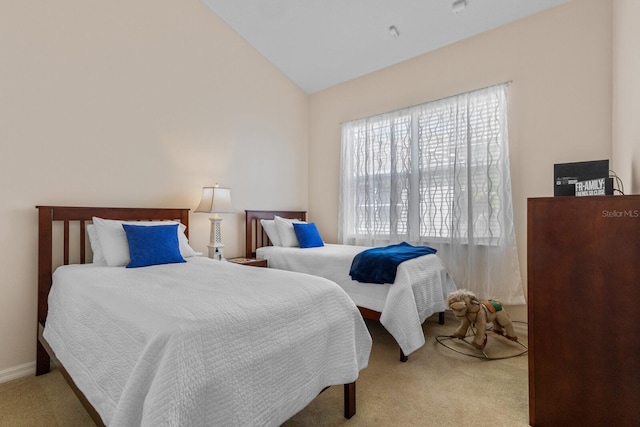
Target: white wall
(559, 62)
(141, 103)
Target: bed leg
(441, 318)
(43, 361)
(403, 358)
(349, 400)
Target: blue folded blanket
(379, 265)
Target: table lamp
(215, 200)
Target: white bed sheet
(203, 342)
(421, 287)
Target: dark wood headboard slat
(66, 243)
(78, 213)
(83, 241)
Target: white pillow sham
(286, 232)
(98, 257)
(269, 227)
(112, 240)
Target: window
(413, 175)
(436, 173)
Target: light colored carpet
(436, 387)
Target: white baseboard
(18, 372)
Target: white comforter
(203, 342)
(421, 287)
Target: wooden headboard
(255, 235)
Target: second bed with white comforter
(420, 289)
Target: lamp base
(215, 240)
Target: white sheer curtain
(437, 174)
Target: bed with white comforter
(202, 342)
(420, 289)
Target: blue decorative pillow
(152, 245)
(307, 234)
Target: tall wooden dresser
(584, 311)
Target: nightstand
(249, 261)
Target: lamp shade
(215, 200)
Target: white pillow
(269, 227)
(285, 231)
(98, 257)
(113, 239)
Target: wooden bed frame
(47, 217)
(256, 238)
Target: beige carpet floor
(436, 387)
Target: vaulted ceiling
(320, 43)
